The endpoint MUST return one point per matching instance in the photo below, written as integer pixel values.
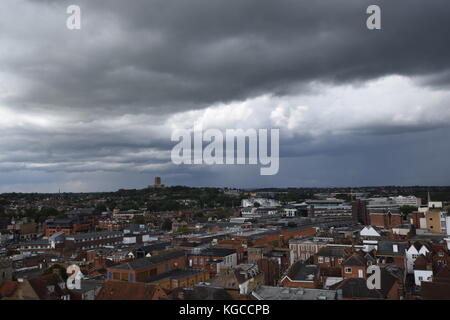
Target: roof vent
(301, 291)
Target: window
(348, 270)
(320, 259)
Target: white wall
(422, 275)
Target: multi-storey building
(212, 259)
(303, 248)
(93, 240)
(143, 269)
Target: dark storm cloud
(95, 108)
(176, 55)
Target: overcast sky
(94, 109)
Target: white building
(369, 231)
(411, 255)
(407, 201)
(435, 204)
(422, 275)
(264, 202)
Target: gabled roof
(386, 248)
(302, 272)
(122, 290)
(370, 231)
(443, 275)
(40, 286)
(355, 260)
(357, 288)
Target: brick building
(212, 259)
(331, 256)
(179, 278)
(360, 212)
(305, 247)
(141, 270)
(92, 240)
(386, 218)
(354, 266)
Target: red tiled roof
(8, 288)
(121, 290)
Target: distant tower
(157, 183)
(360, 212)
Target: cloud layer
(94, 109)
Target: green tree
(61, 269)
(183, 229)
(405, 210)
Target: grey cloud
(150, 59)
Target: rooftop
(148, 262)
(280, 293)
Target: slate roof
(386, 248)
(148, 262)
(41, 283)
(303, 272)
(355, 260)
(338, 252)
(357, 288)
(174, 274)
(215, 252)
(280, 293)
(155, 246)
